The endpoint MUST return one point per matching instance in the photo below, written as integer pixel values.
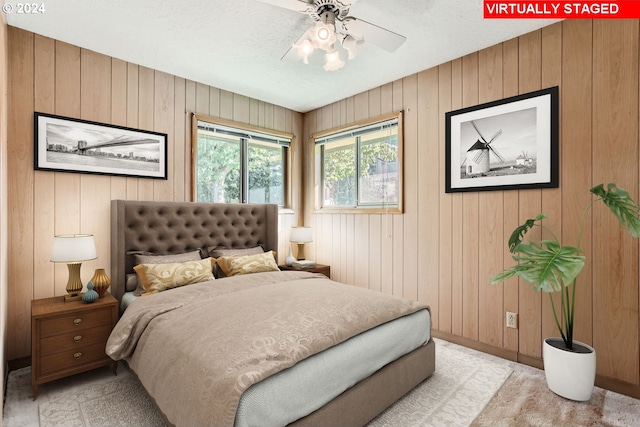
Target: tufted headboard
(176, 227)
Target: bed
(303, 370)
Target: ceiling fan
(335, 28)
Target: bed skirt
(370, 397)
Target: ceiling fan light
(352, 45)
(304, 49)
(323, 36)
(333, 61)
(323, 33)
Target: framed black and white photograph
(73, 145)
(504, 145)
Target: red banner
(561, 9)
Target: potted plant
(551, 267)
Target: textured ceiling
(237, 45)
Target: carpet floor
(469, 388)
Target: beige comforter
(197, 348)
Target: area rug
(117, 402)
(525, 400)
(463, 384)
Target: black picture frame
(509, 144)
(66, 144)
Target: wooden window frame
(318, 167)
(286, 207)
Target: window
(234, 163)
(360, 168)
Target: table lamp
(73, 249)
(300, 235)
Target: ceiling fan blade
(296, 5)
(385, 39)
(291, 54)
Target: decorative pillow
(131, 282)
(132, 257)
(167, 259)
(219, 251)
(160, 277)
(234, 266)
(148, 258)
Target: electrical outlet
(512, 320)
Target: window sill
(377, 210)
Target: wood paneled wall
(54, 77)
(3, 200)
(442, 250)
(445, 247)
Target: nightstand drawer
(74, 340)
(74, 322)
(72, 358)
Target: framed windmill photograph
(510, 144)
(65, 144)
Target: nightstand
(320, 268)
(69, 337)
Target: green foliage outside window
(360, 169)
(339, 176)
(218, 174)
(266, 175)
(220, 168)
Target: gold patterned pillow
(236, 265)
(149, 258)
(160, 277)
(218, 251)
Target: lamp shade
(301, 235)
(73, 248)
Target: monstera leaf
(547, 265)
(621, 205)
(521, 230)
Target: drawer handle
(77, 355)
(77, 338)
(77, 321)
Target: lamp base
(74, 284)
(300, 251)
(73, 297)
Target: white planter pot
(569, 374)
